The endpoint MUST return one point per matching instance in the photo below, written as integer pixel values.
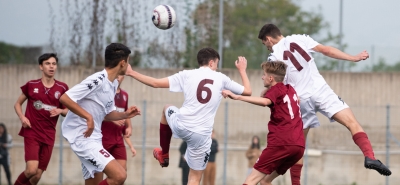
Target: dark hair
(115, 52)
(277, 68)
(205, 55)
(255, 145)
(46, 56)
(269, 30)
(3, 138)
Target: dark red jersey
(40, 101)
(285, 125)
(112, 133)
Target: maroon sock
(104, 182)
(165, 137)
(362, 141)
(22, 179)
(295, 173)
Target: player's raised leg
(256, 176)
(162, 154)
(116, 174)
(347, 118)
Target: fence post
(225, 142)
(305, 163)
(387, 139)
(61, 150)
(144, 141)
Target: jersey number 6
(289, 55)
(201, 87)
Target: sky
(367, 24)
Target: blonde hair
(276, 68)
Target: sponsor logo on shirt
(40, 105)
(35, 90)
(109, 104)
(57, 94)
(124, 97)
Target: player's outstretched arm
(129, 143)
(250, 99)
(129, 113)
(18, 109)
(78, 110)
(337, 54)
(147, 80)
(241, 65)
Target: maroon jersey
(285, 125)
(112, 133)
(40, 101)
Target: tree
(81, 30)
(382, 66)
(11, 54)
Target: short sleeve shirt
(40, 101)
(285, 125)
(202, 90)
(302, 72)
(112, 133)
(95, 94)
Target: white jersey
(302, 72)
(95, 94)
(202, 89)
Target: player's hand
(129, 70)
(132, 112)
(133, 152)
(128, 132)
(241, 63)
(119, 122)
(89, 130)
(362, 56)
(263, 93)
(55, 112)
(228, 93)
(25, 122)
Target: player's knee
(30, 172)
(121, 177)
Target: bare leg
(195, 177)
(116, 174)
(256, 177)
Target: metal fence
(331, 155)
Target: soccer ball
(164, 17)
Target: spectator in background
(253, 153)
(210, 171)
(183, 164)
(5, 144)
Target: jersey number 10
(289, 55)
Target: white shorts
(93, 156)
(324, 101)
(198, 146)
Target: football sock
(362, 141)
(295, 173)
(104, 182)
(22, 180)
(165, 138)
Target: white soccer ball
(164, 17)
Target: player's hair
(205, 55)
(269, 30)
(115, 52)
(46, 56)
(276, 68)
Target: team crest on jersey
(124, 97)
(57, 94)
(35, 90)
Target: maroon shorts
(37, 151)
(278, 158)
(118, 151)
